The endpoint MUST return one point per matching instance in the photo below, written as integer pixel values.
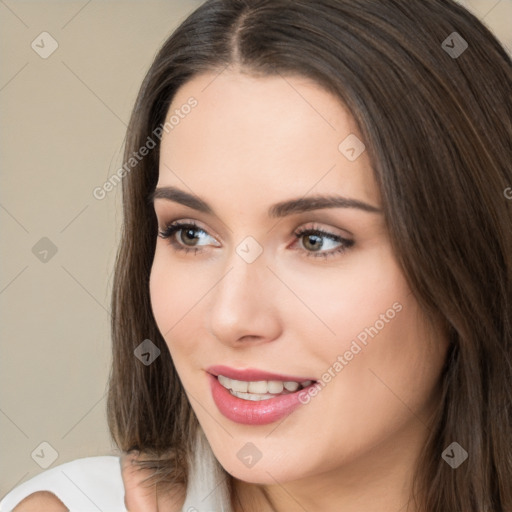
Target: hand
(137, 497)
(141, 497)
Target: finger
(139, 496)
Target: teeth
(291, 386)
(261, 388)
(252, 397)
(275, 386)
(240, 386)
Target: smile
(255, 397)
(260, 389)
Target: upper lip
(253, 374)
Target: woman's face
(331, 305)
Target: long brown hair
(436, 119)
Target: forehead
(277, 136)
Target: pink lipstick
(258, 406)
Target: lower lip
(249, 412)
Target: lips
(259, 412)
(251, 374)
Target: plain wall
(63, 120)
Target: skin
(41, 500)
(249, 143)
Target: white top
(95, 484)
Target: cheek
(177, 292)
(162, 295)
(172, 294)
(346, 298)
(389, 355)
(390, 370)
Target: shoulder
(41, 500)
(81, 484)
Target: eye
(187, 232)
(184, 235)
(313, 240)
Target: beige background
(63, 122)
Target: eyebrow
(281, 209)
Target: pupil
(315, 244)
(188, 233)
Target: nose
(244, 304)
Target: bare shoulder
(41, 500)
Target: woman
(312, 297)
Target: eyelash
(174, 227)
